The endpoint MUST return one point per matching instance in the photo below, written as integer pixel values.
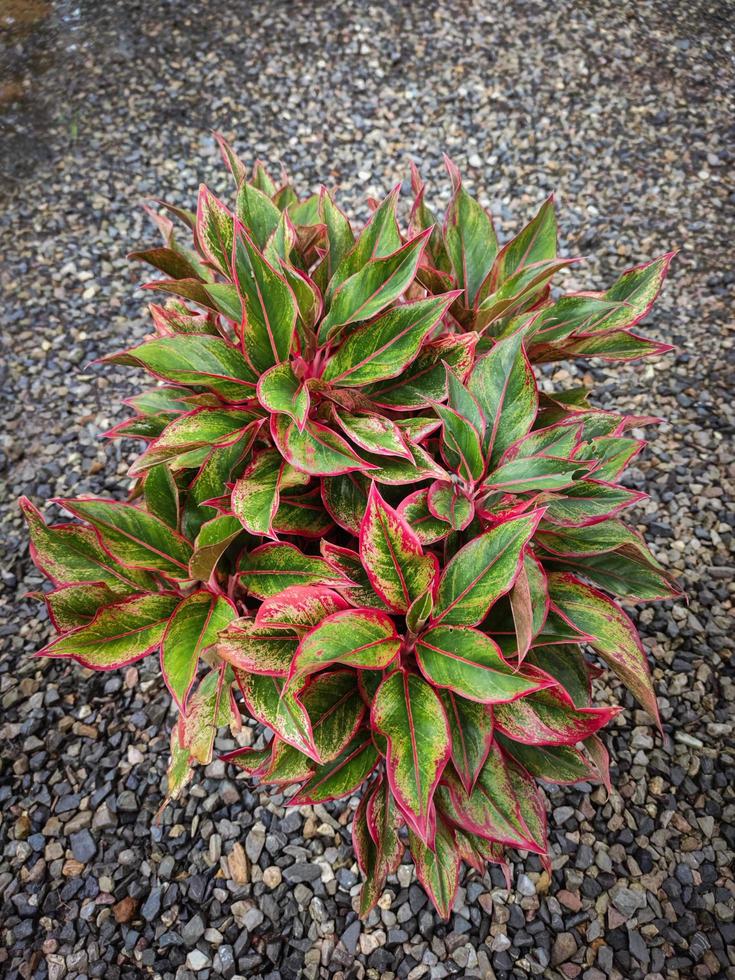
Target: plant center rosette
(357, 520)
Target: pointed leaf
(259, 649)
(427, 527)
(393, 557)
(257, 213)
(550, 718)
(269, 320)
(470, 239)
(119, 634)
(614, 637)
(471, 727)
(383, 348)
(408, 713)
(482, 571)
(136, 539)
(437, 868)
(279, 390)
(373, 433)
(424, 381)
(377, 284)
(256, 494)
(317, 450)
(362, 638)
(505, 388)
(214, 230)
(341, 776)
(270, 568)
(469, 663)
(461, 444)
(212, 541)
(345, 498)
(193, 628)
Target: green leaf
(270, 568)
(345, 498)
(193, 628)
(437, 868)
(258, 214)
(614, 637)
(258, 648)
(424, 381)
(419, 611)
(336, 710)
(471, 727)
(362, 638)
(179, 772)
(195, 360)
(279, 390)
(162, 496)
(202, 428)
(470, 239)
(256, 494)
(377, 284)
(613, 454)
(428, 528)
(383, 348)
(636, 291)
(270, 307)
(373, 433)
(71, 606)
(461, 444)
(551, 763)
(550, 718)
(119, 634)
(133, 537)
(589, 501)
(317, 450)
(399, 472)
(283, 713)
(299, 607)
(493, 809)
(482, 571)
(536, 473)
(302, 514)
(409, 714)
(210, 707)
(535, 244)
(505, 388)
(393, 557)
(447, 502)
(211, 542)
(376, 843)
(567, 665)
(379, 237)
(69, 553)
(469, 663)
(214, 230)
(529, 603)
(220, 467)
(339, 232)
(359, 592)
(341, 776)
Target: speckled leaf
(214, 230)
(300, 607)
(482, 571)
(317, 450)
(424, 381)
(383, 348)
(529, 602)
(271, 568)
(589, 501)
(257, 213)
(505, 388)
(282, 712)
(374, 433)
(279, 390)
(345, 498)
(392, 555)
(193, 628)
(119, 634)
(256, 494)
(72, 606)
(68, 553)
(409, 714)
(377, 845)
(428, 528)
(341, 776)
(470, 239)
(615, 637)
(162, 496)
(269, 320)
(361, 638)
(461, 444)
(550, 718)
(260, 649)
(212, 541)
(211, 707)
(551, 763)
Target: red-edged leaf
(256, 494)
(341, 776)
(393, 557)
(317, 450)
(410, 716)
(361, 638)
(529, 602)
(471, 727)
(482, 571)
(269, 569)
(468, 662)
(614, 637)
(300, 607)
(550, 718)
(193, 628)
(262, 649)
(505, 388)
(119, 634)
(279, 390)
(427, 527)
(437, 868)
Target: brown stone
(124, 910)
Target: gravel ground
(623, 110)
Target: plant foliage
(358, 521)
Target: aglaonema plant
(357, 520)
